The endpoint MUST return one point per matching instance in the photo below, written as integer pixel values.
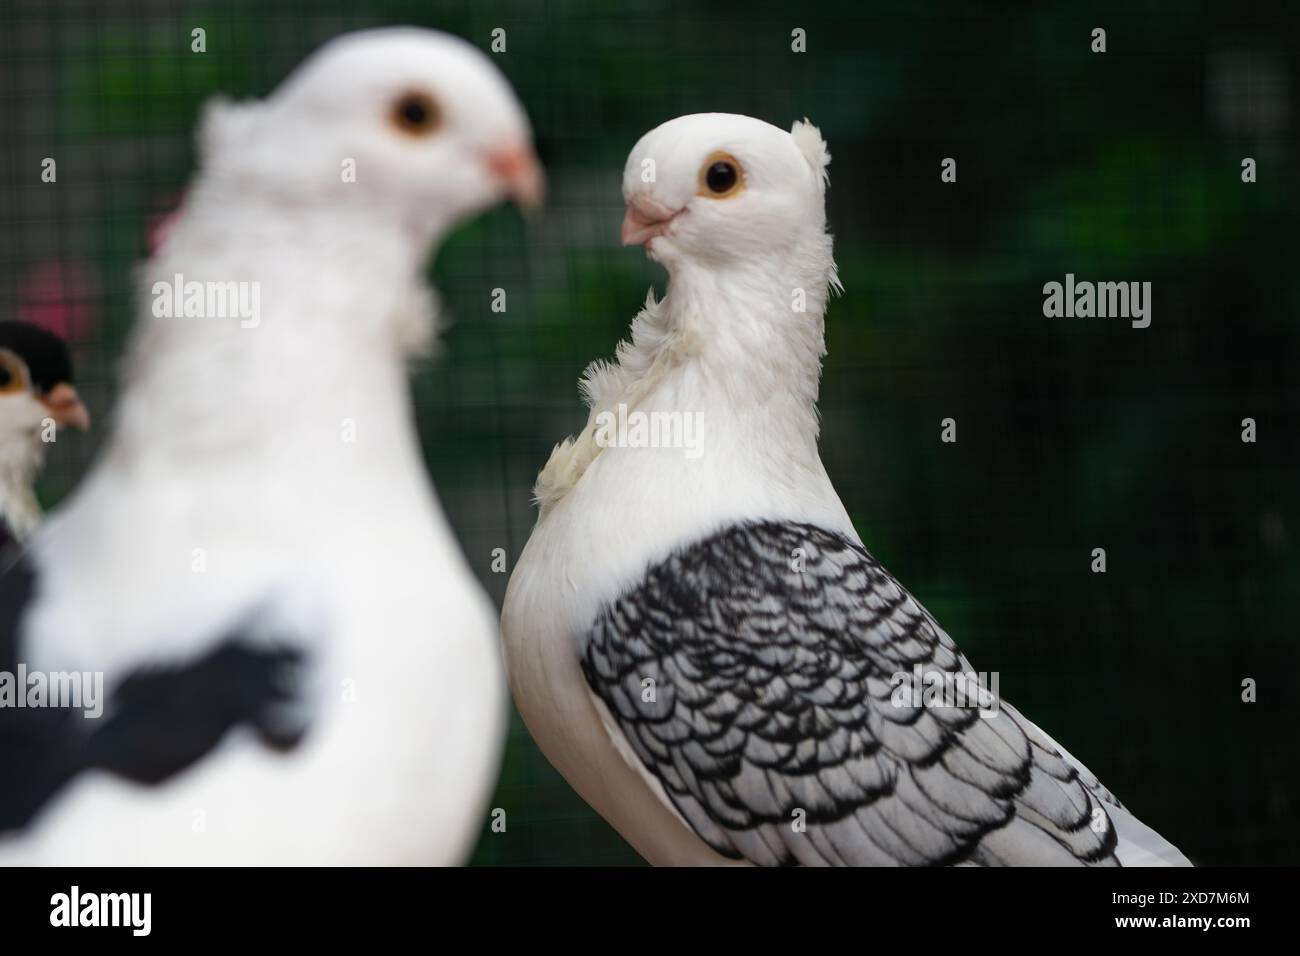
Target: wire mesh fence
(1073, 434)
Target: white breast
(632, 507)
(407, 699)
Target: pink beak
(645, 219)
(517, 167)
(65, 406)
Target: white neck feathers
(341, 306)
(749, 339)
(19, 464)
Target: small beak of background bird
(517, 167)
(66, 407)
(645, 219)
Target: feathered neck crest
(761, 345)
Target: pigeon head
(410, 124)
(718, 187)
(35, 383)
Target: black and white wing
(157, 720)
(753, 674)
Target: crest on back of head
(809, 140)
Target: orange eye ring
(721, 176)
(13, 374)
(416, 113)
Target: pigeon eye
(416, 114)
(11, 375)
(721, 176)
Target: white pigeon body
(698, 785)
(266, 481)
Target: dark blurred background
(1073, 434)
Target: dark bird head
(36, 381)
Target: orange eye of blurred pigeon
(416, 114)
(11, 375)
(720, 176)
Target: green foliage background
(1073, 434)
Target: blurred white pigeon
(696, 636)
(298, 666)
(37, 398)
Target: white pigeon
(297, 664)
(696, 636)
(37, 398)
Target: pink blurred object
(160, 224)
(60, 297)
(159, 228)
